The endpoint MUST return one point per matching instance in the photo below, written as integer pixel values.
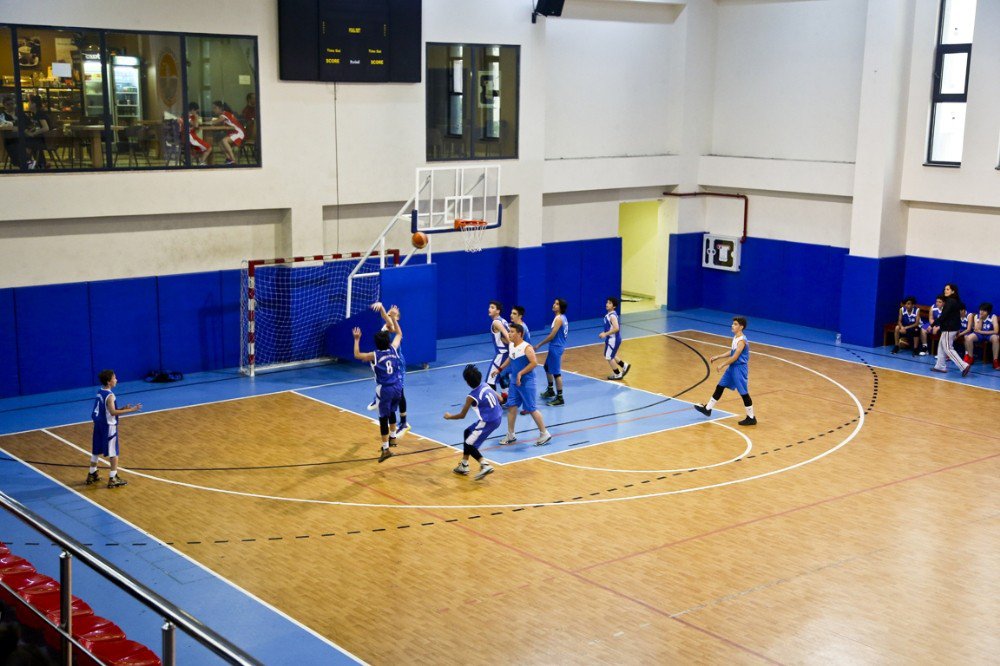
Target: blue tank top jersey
(519, 361)
(527, 332)
(559, 340)
(487, 403)
(935, 312)
(986, 324)
(909, 317)
(744, 357)
(100, 414)
(965, 322)
(607, 321)
(498, 344)
(386, 366)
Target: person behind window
(36, 125)
(249, 113)
(224, 116)
(200, 149)
(8, 125)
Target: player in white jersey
(612, 337)
(522, 363)
(500, 337)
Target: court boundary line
(175, 551)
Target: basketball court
(643, 533)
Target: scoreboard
(374, 41)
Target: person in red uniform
(200, 149)
(225, 116)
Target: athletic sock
(750, 411)
(710, 404)
(621, 363)
(93, 468)
(559, 393)
(114, 473)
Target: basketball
(419, 240)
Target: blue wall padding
(123, 327)
(526, 288)
(414, 289)
(977, 283)
(230, 285)
(794, 282)
(9, 382)
(584, 273)
(53, 337)
(340, 341)
(467, 282)
(684, 272)
(191, 322)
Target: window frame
(942, 50)
(108, 142)
(469, 137)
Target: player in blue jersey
(105, 416)
(500, 337)
(486, 402)
(737, 375)
(517, 317)
(522, 362)
(391, 318)
(557, 345)
(908, 326)
(612, 337)
(385, 362)
(985, 329)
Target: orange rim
(465, 224)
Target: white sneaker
(486, 469)
(544, 439)
(402, 430)
(615, 376)
(373, 405)
(462, 468)
(509, 438)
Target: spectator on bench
(929, 328)
(985, 329)
(908, 328)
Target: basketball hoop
(472, 233)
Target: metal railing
(173, 617)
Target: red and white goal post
(287, 305)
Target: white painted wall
(617, 97)
(788, 79)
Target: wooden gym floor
(862, 525)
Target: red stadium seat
(125, 653)
(47, 603)
(88, 630)
(12, 564)
(24, 581)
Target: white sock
(750, 411)
(114, 474)
(543, 433)
(93, 468)
(385, 445)
(710, 404)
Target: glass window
(82, 99)
(8, 104)
(953, 59)
(144, 99)
(54, 131)
(472, 101)
(223, 118)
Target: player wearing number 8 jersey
(385, 363)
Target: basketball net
(472, 232)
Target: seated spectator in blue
(930, 327)
(985, 329)
(908, 326)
